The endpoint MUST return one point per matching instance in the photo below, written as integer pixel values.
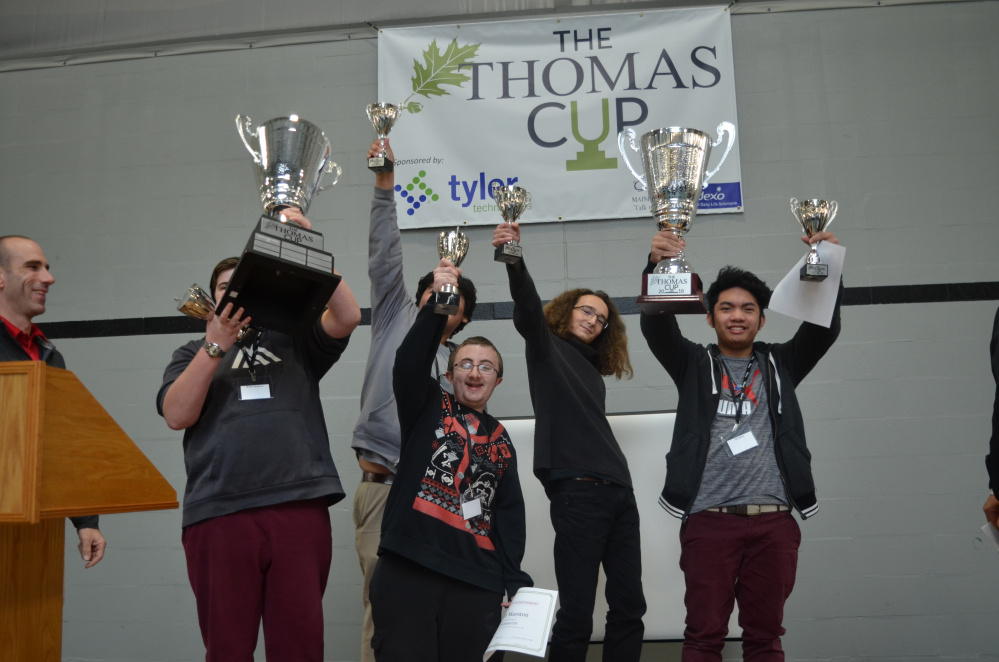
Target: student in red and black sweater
(454, 529)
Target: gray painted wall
(132, 178)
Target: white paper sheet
(992, 533)
(811, 301)
(527, 624)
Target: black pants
(423, 616)
(596, 523)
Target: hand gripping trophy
(814, 216)
(512, 202)
(675, 161)
(383, 117)
(452, 245)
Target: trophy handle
(243, 126)
(723, 128)
(331, 167)
(620, 146)
(796, 210)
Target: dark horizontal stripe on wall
(503, 310)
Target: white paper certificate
(527, 624)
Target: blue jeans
(596, 523)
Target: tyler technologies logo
(417, 193)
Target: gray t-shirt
(750, 476)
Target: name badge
(742, 443)
(470, 509)
(255, 391)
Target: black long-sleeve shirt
(572, 436)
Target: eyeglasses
(590, 312)
(484, 368)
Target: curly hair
(730, 277)
(611, 345)
(465, 287)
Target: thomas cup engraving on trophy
(512, 202)
(284, 277)
(814, 216)
(452, 245)
(675, 161)
(383, 117)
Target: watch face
(214, 350)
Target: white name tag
(669, 284)
(255, 392)
(742, 443)
(470, 509)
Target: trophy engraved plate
(452, 245)
(512, 201)
(383, 117)
(284, 277)
(814, 216)
(675, 161)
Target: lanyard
(738, 392)
(251, 358)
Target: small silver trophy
(512, 202)
(284, 277)
(814, 216)
(383, 117)
(675, 160)
(452, 245)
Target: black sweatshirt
(572, 436)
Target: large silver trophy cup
(675, 160)
(383, 117)
(284, 277)
(452, 245)
(814, 216)
(512, 202)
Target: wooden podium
(61, 454)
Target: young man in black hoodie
(738, 462)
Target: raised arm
(528, 313)
(411, 379)
(662, 333)
(385, 265)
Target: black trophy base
(678, 294)
(380, 164)
(283, 280)
(509, 253)
(447, 303)
(814, 272)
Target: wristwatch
(213, 350)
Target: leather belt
(750, 510)
(591, 479)
(384, 479)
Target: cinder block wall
(131, 176)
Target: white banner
(540, 103)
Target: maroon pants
(727, 558)
(267, 564)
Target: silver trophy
(383, 117)
(512, 202)
(452, 245)
(814, 216)
(284, 277)
(675, 160)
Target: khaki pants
(369, 506)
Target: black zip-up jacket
(696, 371)
(11, 350)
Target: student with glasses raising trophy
(572, 344)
